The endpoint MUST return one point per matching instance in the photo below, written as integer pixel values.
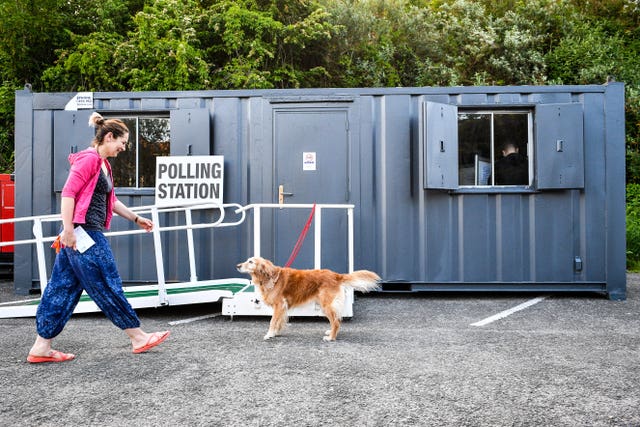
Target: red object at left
(7, 210)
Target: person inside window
(512, 167)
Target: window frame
(530, 148)
(137, 116)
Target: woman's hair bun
(96, 120)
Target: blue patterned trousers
(96, 272)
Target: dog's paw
(269, 335)
(327, 332)
(328, 338)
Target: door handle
(282, 194)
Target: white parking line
(193, 319)
(506, 313)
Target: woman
(89, 201)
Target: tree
(30, 31)
(267, 44)
(524, 33)
(163, 52)
(89, 66)
(34, 35)
(441, 43)
(7, 91)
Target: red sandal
(54, 356)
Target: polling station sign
(187, 180)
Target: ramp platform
(145, 296)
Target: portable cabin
(418, 164)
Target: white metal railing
(317, 227)
(39, 239)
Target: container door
(311, 146)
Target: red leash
(303, 234)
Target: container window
(494, 148)
(149, 137)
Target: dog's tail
(361, 280)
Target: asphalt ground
(402, 360)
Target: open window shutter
(190, 132)
(559, 146)
(439, 139)
(71, 133)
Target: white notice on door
(308, 161)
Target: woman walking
(89, 201)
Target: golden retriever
(284, 288)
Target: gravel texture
(402, 360)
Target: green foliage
(183, 45)
(633, 227)
(248, 41)
(29, 33)
(521, 36)
(588, 54)
(89, 66)
(162, 52)
(458, 42)
(7, 108)
(100, 16)
(602, 41)
(269, 44)
(377, 42)
(632, 110)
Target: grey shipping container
(419, 164)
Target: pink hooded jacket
(82, 180)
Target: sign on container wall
(187, 180)
(81, 100)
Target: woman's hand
(68, 238)
(145, 223)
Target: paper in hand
(83, 240)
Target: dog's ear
(260, 269)
(266, 268)
(271, 268)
